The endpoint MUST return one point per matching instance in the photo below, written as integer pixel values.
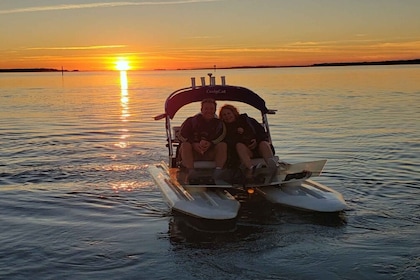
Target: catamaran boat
(214, 201)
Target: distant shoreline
(13, 70)
(387, 62)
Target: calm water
(76, 201)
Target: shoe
(272, 169)
(218, 176)
(272, 163)
(192, 176)
(284, 165)
(250, 172)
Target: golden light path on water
(125, 113)
(123, 142)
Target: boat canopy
(185, 96)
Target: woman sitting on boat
(245, 135)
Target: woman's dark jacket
(252, 130)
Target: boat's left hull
(210, 204)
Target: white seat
(204, 164)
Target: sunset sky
(171, 34)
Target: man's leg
(187, 156)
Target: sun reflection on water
(125, 112)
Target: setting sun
(122, 65)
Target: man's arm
(186, 131)
(220, 133)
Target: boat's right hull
(307, 195)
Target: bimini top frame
(185, 96)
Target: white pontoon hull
(214, 202)
(307, 195)
(205, 203)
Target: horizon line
(326, 64)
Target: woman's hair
(232, 108)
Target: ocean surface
(77, 202)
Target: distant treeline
(33, 70)
(388, 62)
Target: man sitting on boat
(201, 139)
(248, 138)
